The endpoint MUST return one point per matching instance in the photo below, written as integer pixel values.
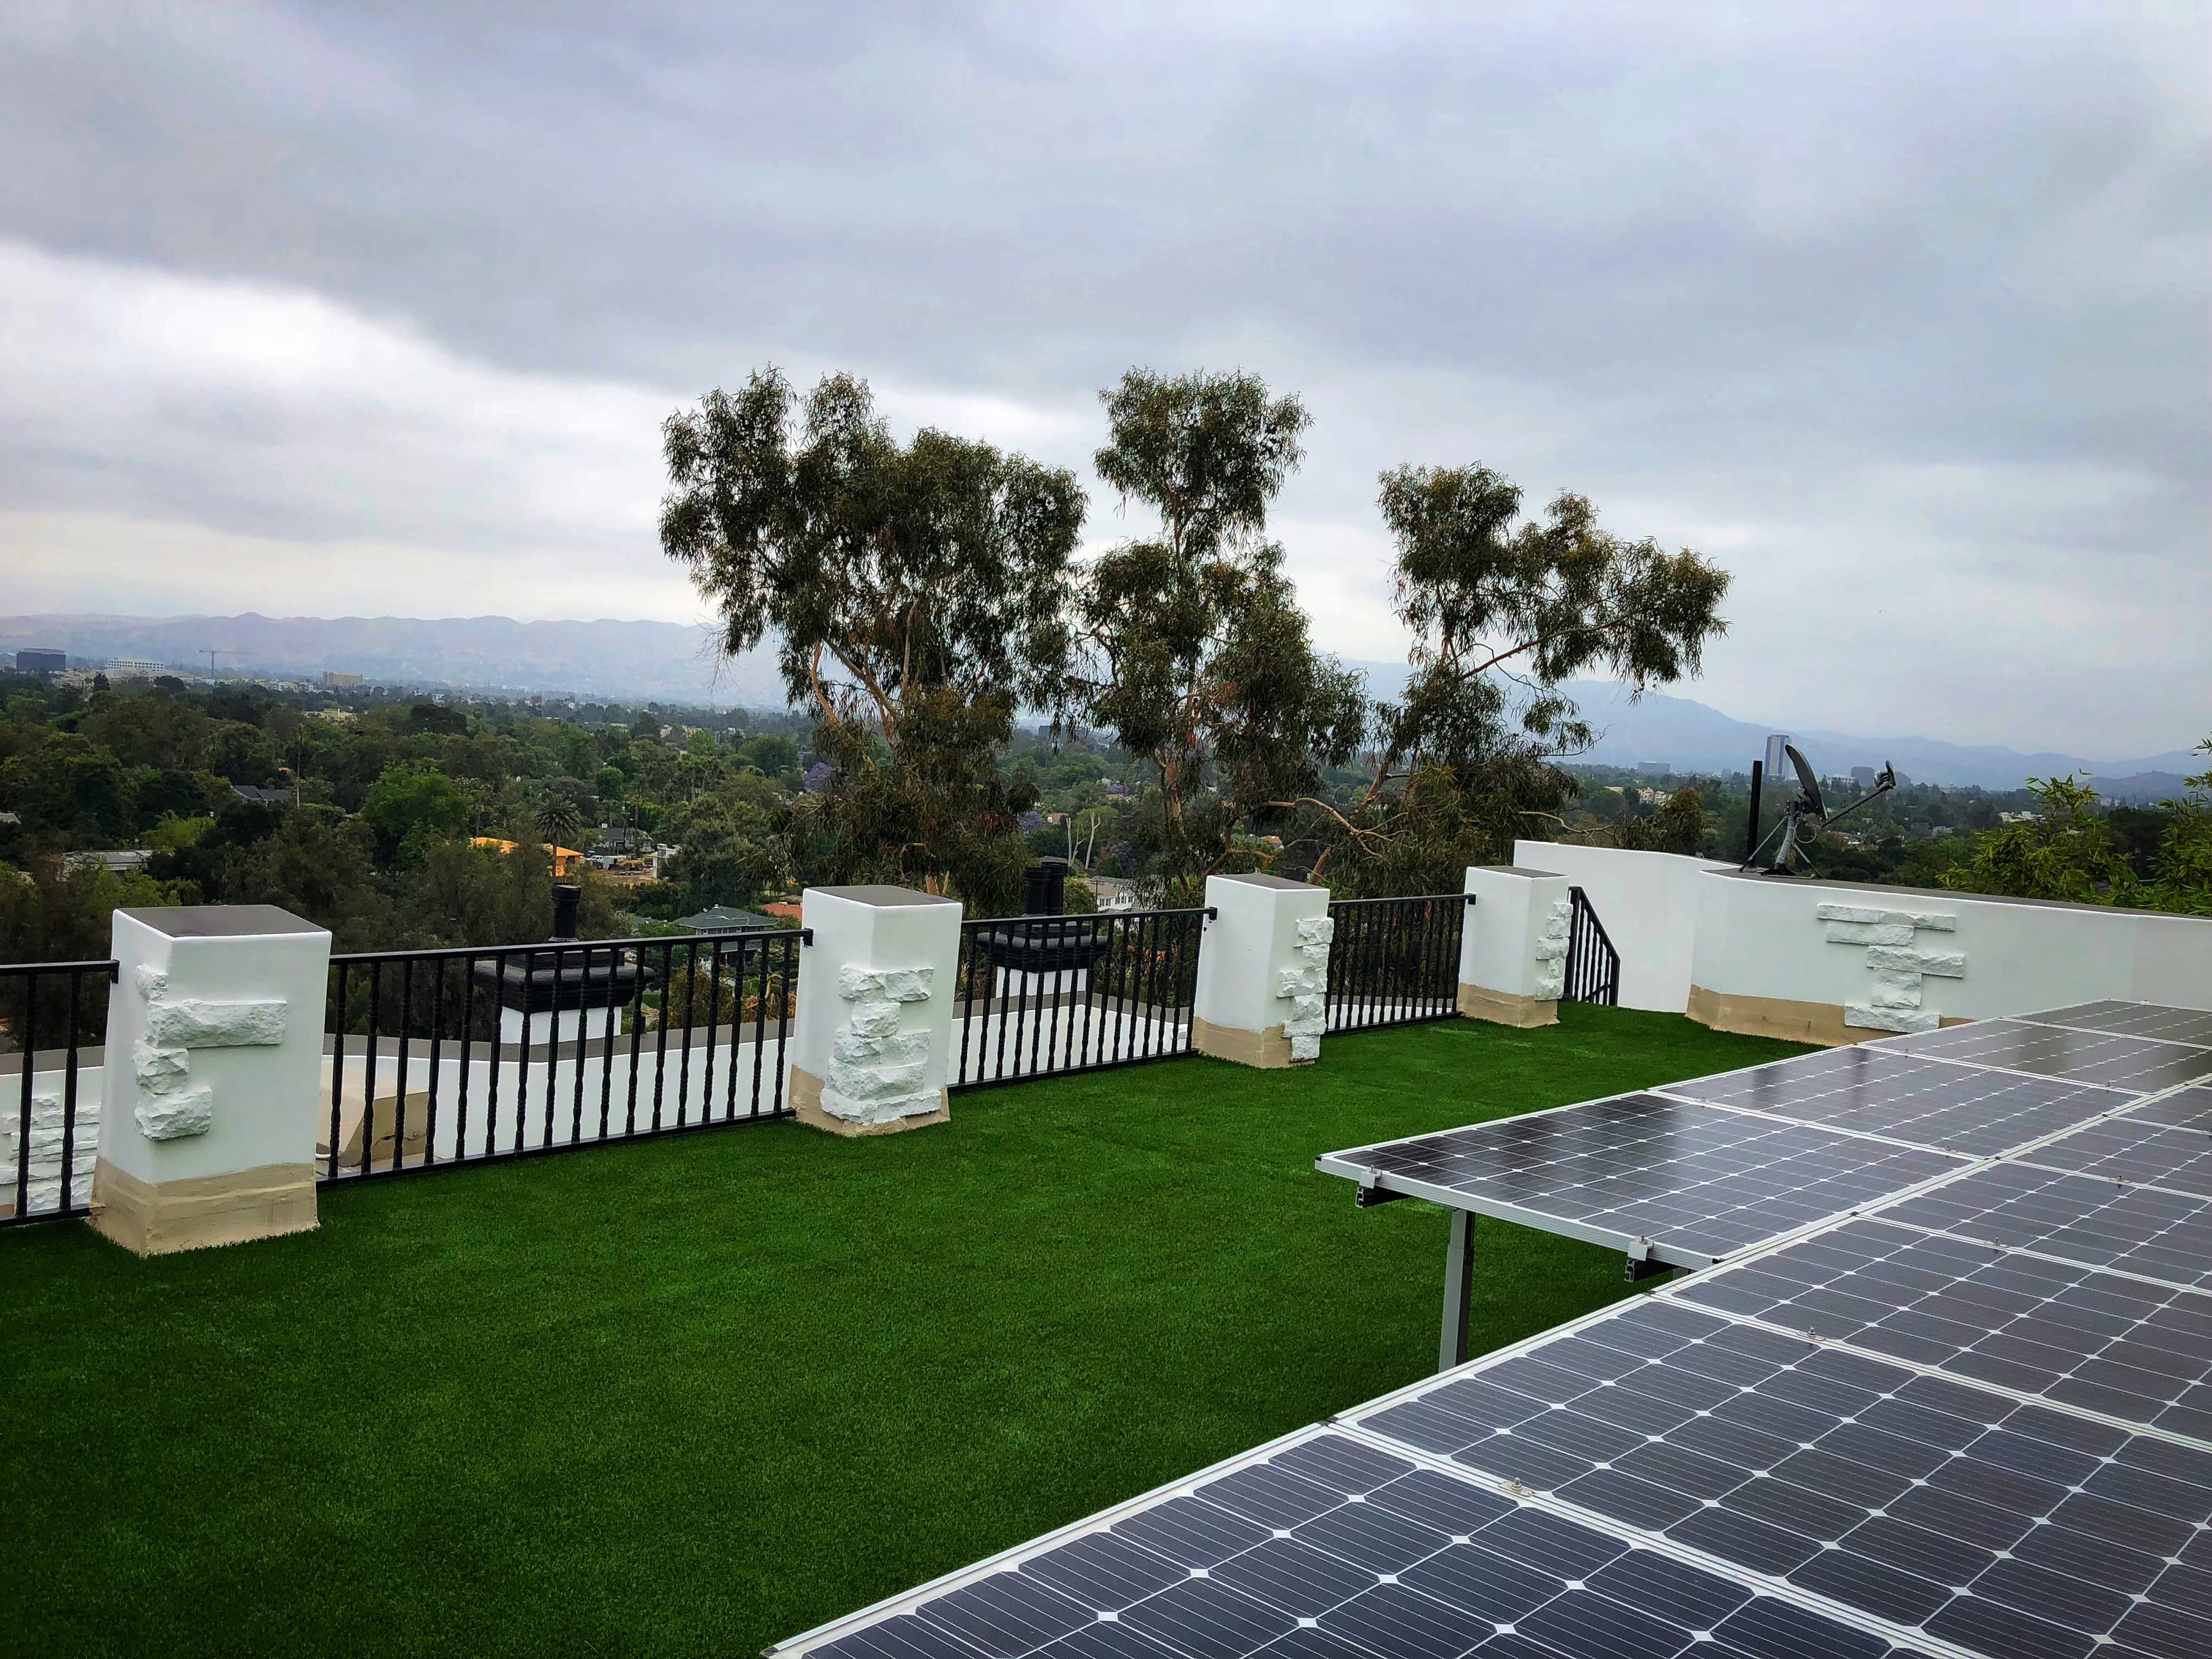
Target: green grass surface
(698, 1395)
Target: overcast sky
(1898, 312)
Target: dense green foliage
(2068, 850)
(699, 1395)
(918, 595)
(1203, 663)
(371, 832)
(1503, 609)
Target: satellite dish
(1806, 781)
(1810, 807)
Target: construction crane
(211, 654)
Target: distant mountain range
(1685, 736)
(669, 662)
(600, 659)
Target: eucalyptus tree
(1503, 609)
(1201, 659)
(919, 595)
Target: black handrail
(1394, 961)
(1593, 966)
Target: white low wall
(1649, 898)
(1764, 936)
(1690, 931)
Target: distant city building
(42, 662)
(339, 677)
(1654, 768)
(133, 668)
(718, 919)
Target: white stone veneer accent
(1899, 966)
(1305, 987)
(174, 1107)
(876, 1069)
(46, 1184)
(1550, 951)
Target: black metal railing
(52, 1014)
(471, 1056)
(1394, 961)
(1593, 965)
(1048, 995)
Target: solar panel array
(1870, 1091)
(1974, 1418)
(1697, 1184)
(1327, 1547)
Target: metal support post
(1459, 1284)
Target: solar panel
(1326, 1547)
(2007, 1528)
(1978, 1419)
(2147, 1019)
(1697, 1182)
(2139, 1148)
(2122, 1062)
(2099, 1224)
(2185, 1109)
(2128, 1349)
(1930, 1102)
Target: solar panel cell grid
(2144, 1019)
(1871, 1090)
(2131, 1350)
(2097, 1224)
(1925, 1501)
(2185, 1109)
(2138, 1148)
(1700, 1181)
(1401, 1562)
(2119, 1061)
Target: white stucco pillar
(872, 1040)
(1262, 971)
(1513, 955)
(215, 1050)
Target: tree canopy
(1503, 609)
(1200, 657)
(919, 595)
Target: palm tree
(559, 820)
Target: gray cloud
(1902, 316)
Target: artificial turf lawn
(696, 1396)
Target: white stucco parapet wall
(873, 1032)
(1683, 921)
(1649, 897)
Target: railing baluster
(399, 1086)
(338, 1065)
(760, 1029)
